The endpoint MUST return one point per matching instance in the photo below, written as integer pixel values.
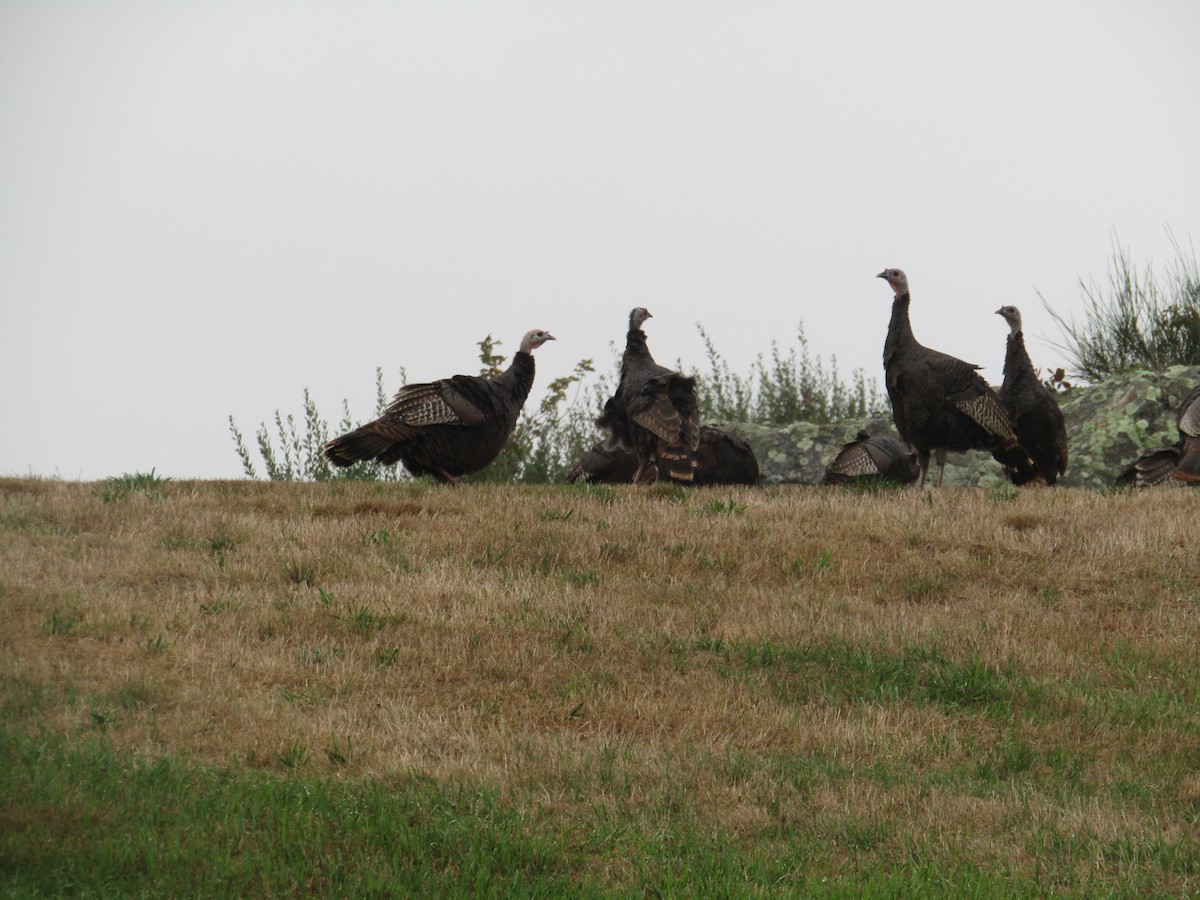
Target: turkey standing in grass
(662, 416)
(941, 403)
(868, 459)
(1180, 461)
(447, 428)
(1031, 407)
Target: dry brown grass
(747, 654)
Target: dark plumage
(1181, 460)
(941, 403)
(720, 457)
(1151, 468)
(662, 418)
(870, 459)
(608, 462)
(1031, 407)
(447, 428)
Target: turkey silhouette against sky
(206, 208)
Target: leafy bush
(298, 457)
(1139, 320)
(787, 388)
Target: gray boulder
(1108, 425)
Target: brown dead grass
(581, 649)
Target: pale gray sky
(206, 208)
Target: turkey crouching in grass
(447, 428)
(1180, 461)
(661, 414)
(880, 459)
(721, 458)
(1031, 407)
(941, 403)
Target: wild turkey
(1181, 460)
(872, 459)
(941, 403)
(662, 419)
(447, 428)
(1031, 407)
(721, 458)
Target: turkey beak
(1000, 311)
(882, 274)
(550, 337)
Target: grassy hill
(354, 688)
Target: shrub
(1139, 320)
(791, 387)
(297, 455)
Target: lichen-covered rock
(1108, 425)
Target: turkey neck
(518, 377)
(1016, 357)
(635, 345)
(900, 333)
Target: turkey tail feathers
(679, 459)
(361, 444)
(1153, 467)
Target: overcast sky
(207, 207)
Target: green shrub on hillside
(1139, 320)
(294, 455)
(791, 387)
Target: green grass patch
(84, 820)
(716, 507)
(854, 673)
(119, 486)
(81, 818)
